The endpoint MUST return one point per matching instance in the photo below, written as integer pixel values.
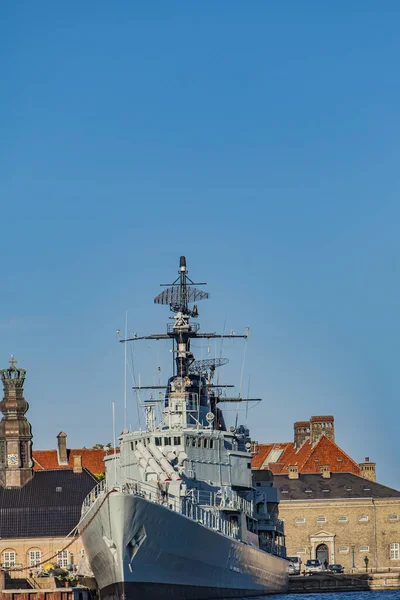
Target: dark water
(386, 595)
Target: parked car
(294, 565)
(336, 569)
(313, 565)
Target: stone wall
(47, 547)
(368, 528)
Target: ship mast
(179, 295)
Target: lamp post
(353, 566)
(366, 560)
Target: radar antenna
(202, 366)
(180, 294)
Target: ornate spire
(15, 430)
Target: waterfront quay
(344, 582)
(45, 588)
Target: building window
(321, 519)
(394, 552)
(300, 551)
(177, 441)
(363, 518)
(9, 559)
(300, 521)
(364, 548)
(62, 558)
(273, 455)
(34, 558)
(343, 519)
(343, 549)
(22, 452)
(393, 517)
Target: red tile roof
(259, 457)
(326, 452)
(92, 459)
(323, 418)
(308, 458)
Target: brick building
(91, 459)
(38, 508)
(312, 448)
(342, 518)
(332, 507)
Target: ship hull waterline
(138, 549)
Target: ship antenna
(115, 443)
(244, 360)
(181, 293)
(243, 363)
(222, 341)
(133, 377)
(126, 335)
(247, 404)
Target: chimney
(62, 455)
(301, 433)
(322, 426)
(293, 472)
(368, 469)
(326, 471)
(77, 463)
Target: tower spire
(15, 430)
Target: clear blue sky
(261, 140)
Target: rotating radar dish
(175, 296)
(210, 364)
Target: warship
(180, 513)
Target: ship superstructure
(181, 514)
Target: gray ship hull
(140, 549)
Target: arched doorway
(322, 553)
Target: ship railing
(186, 506)
(273, 548)
(208, 517)
(193, 326)
(272, 524)
(93, 495)
(280, 525)
(219, 500)
(190, 401)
